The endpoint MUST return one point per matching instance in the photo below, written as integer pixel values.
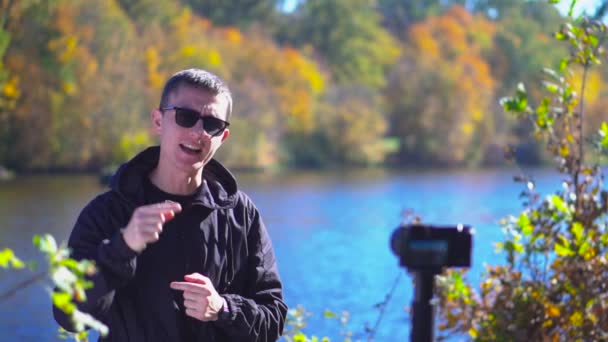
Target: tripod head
(425, 250)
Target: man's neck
(175, 182)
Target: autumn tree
(237, 13)
(12, 15)
(520, 37)
(399, 15)
(347, 35)
(440, 91)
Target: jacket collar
(219, 191)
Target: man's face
(189, 149)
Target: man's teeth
(192, 147)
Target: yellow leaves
(569, 138)
(70, 48)
(453, 84)
(308, 70)
(592, 317)
(564, 151)
(182, 22)
(205, 56)
(214, 58)
(551, 310)
(65, 47)
(188, 50)
(589, 253)
(423, 42)
(130, 143)
(477, 115)
(69, 88)
(473, 333)
(467, 128)
(593, 85)
(487, 285)
(576, 319)
(11, 88)
(152, 59)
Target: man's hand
(146, 224)
(201, 300)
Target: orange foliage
(233, 35)
(445, 56)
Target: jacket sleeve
(260, 314)
(97, 236)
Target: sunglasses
(187, 118)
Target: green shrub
(553, 285)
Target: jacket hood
(219, 191)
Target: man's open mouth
(190, 149)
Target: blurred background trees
(325, 83)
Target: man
(182, 254)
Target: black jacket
(221, 236)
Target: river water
(330, 233)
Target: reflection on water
(330, 232)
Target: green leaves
(70, 281)
(296, 321)
(544, 118)
(577, 230)
(603, 133)
(524, 224)
(559, 204)
(9, 260)
(562, 248)
(63, 301)
(571, 9)
(329, 314)
(563, 64)
(45, 243)
(551, 87)
(556, 247)
(518, 103)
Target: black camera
(428, 247)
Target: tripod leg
(423, 310)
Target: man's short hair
(200, 79)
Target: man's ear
(157, 120)
(225, 134)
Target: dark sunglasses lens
(185, 117)
(213, 125)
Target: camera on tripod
(428, 247)
(425, 250)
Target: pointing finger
(190, 287)
(164, 207)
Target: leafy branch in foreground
(69, 278)
(553, 285)
(296, 322)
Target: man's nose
(199, 128)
